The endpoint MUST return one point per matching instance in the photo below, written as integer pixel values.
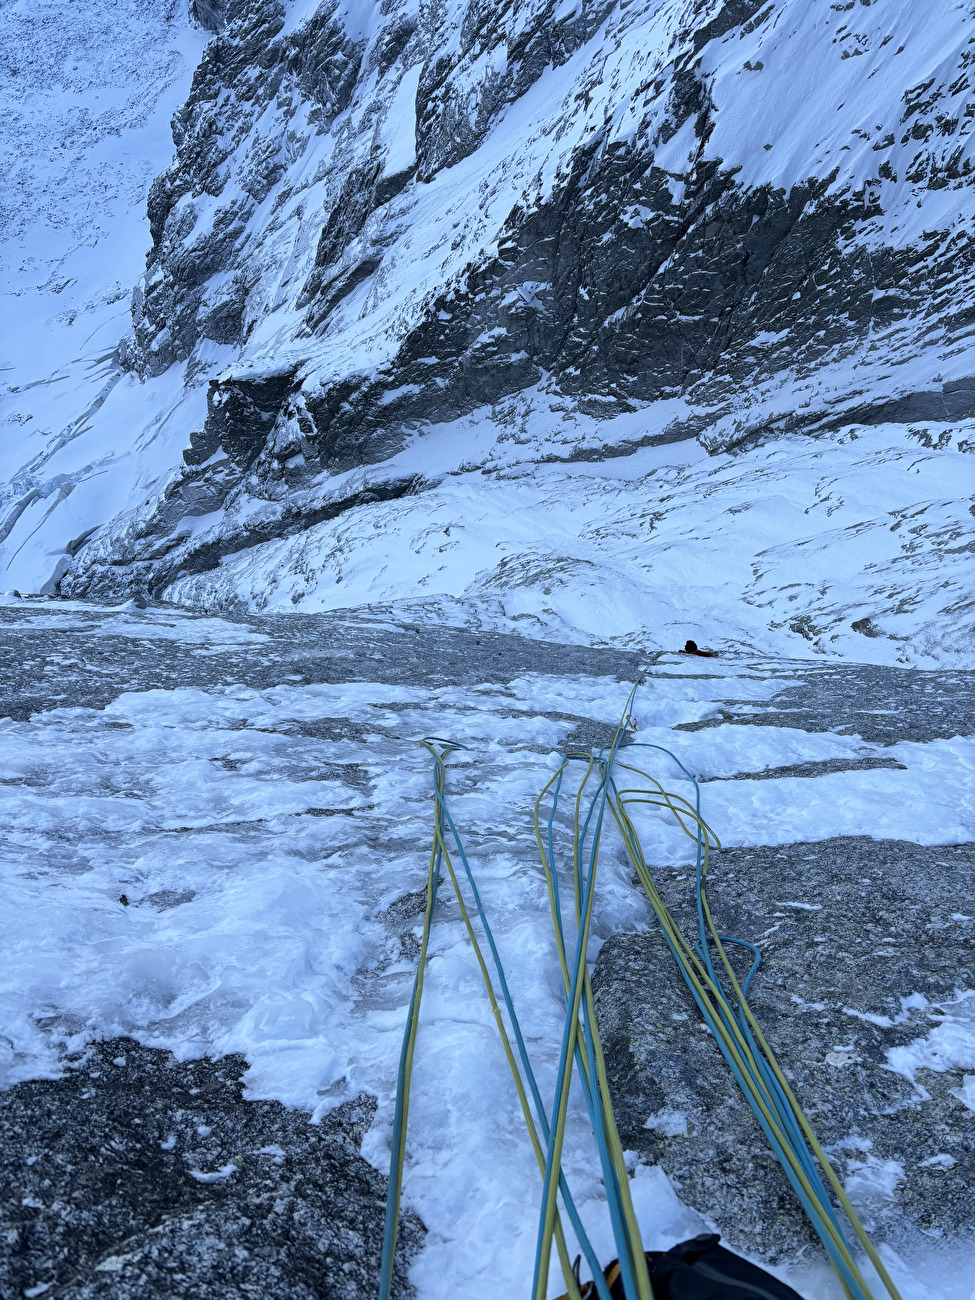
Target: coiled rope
(730, 1020)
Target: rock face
(136, 1176)
(844, 988)
(740, 216)
(295, 648)
(865, 981)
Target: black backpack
(700, 1269)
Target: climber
(690, 648)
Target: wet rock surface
(136, 1175)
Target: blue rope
(592, 1258)
(586, 887)
(762, 1074)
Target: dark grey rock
(240, 415)
(302, 648)
(147, 556)
(883, 705)
(954, 401)
(880, 925)
(821, 768)
(210, 14)
(136, 1176)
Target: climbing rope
(441, 854)
(592, 1072)
(738, 1034)
(405, 1073)
(729, 1018)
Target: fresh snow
(398, 136)
(86, 129)
(850, 544)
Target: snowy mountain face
(526, 314)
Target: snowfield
(850, 544)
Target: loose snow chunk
(874, 1180)
(217, 1176)
(914, 1002)
(113, 1264)
(405, 390)
(966, 1093)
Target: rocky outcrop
(851, 976)
(139, 1175)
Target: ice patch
(670, 1123)
(966, 1093)
(279, 948)
(950, 1046)
(873, 1180)
(914, 1002)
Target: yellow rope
(729, 1032)
(723, 1022)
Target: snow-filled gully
(227, 867)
